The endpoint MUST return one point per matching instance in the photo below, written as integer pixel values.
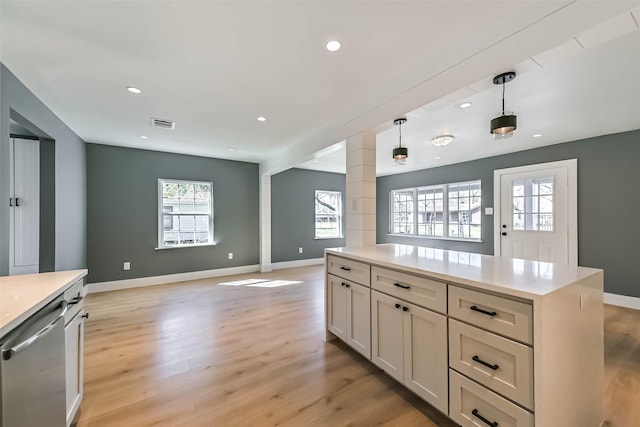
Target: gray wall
(17, 102)
(122, 211)
(47, 205)
(293, 213)
(608, 202)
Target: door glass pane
(531, 198)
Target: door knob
(504, 233)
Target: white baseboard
(297, 263)
(168, 278)
(265, 268)
(622, 300)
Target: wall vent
(164, 124)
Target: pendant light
(400, 153)
(504, 125)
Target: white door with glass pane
(537, 217)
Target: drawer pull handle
(479, 310)
(482, 362)
(483, 419)
(397, 305)
(345, 268)
(343, 284)
(398, 285)
(76, 300)
(405, 308)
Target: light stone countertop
(522, 278)
(23, 295)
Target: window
(185, 213)
(449, 211)
(328, 214)
(533, 204)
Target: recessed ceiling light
(144, 137)
(261, 119)
(537, 135)
(231, 149)
(315, 161)
(437, 158)
(133, 89)
(465, 105)
(333, 45)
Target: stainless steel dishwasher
(32, 370)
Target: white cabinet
(74, 359)
(349, 313)
(408, 343)
(24, 206)
(386, 334)
(74, 348)
(495, 343)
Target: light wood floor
(204, 354)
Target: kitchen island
(486, 340)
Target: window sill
(184, 246)
(328, 238)
(453, 239)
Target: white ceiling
(214, 67)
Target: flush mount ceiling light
(537, 135)
(504, 125)
(261, 119)
(333, 45)
(442, 140)
(465, 105)
(400, 153)
(133, 89)
(144, 137)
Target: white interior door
(24, 211)
(537, 217)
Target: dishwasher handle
(8, 354)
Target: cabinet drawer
(501, 315)
(417, 290)
(358, 272)
(74, 297)
(471, 404)
(502, 365)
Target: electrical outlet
(127, 265)
(299, 250)
(230, 255)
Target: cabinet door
(359, 319)
(386, 334)
(74, 357)
(425, 355)
(337, 307)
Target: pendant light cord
(400, 129)
(503, 84)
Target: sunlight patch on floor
(261, 283)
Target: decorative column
(361, 189)
(265, 223)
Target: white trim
(622, 300)
(572, 202)
(266, 268)
(115, 285)
(455, 239)
(161, 213)
(297, 263)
